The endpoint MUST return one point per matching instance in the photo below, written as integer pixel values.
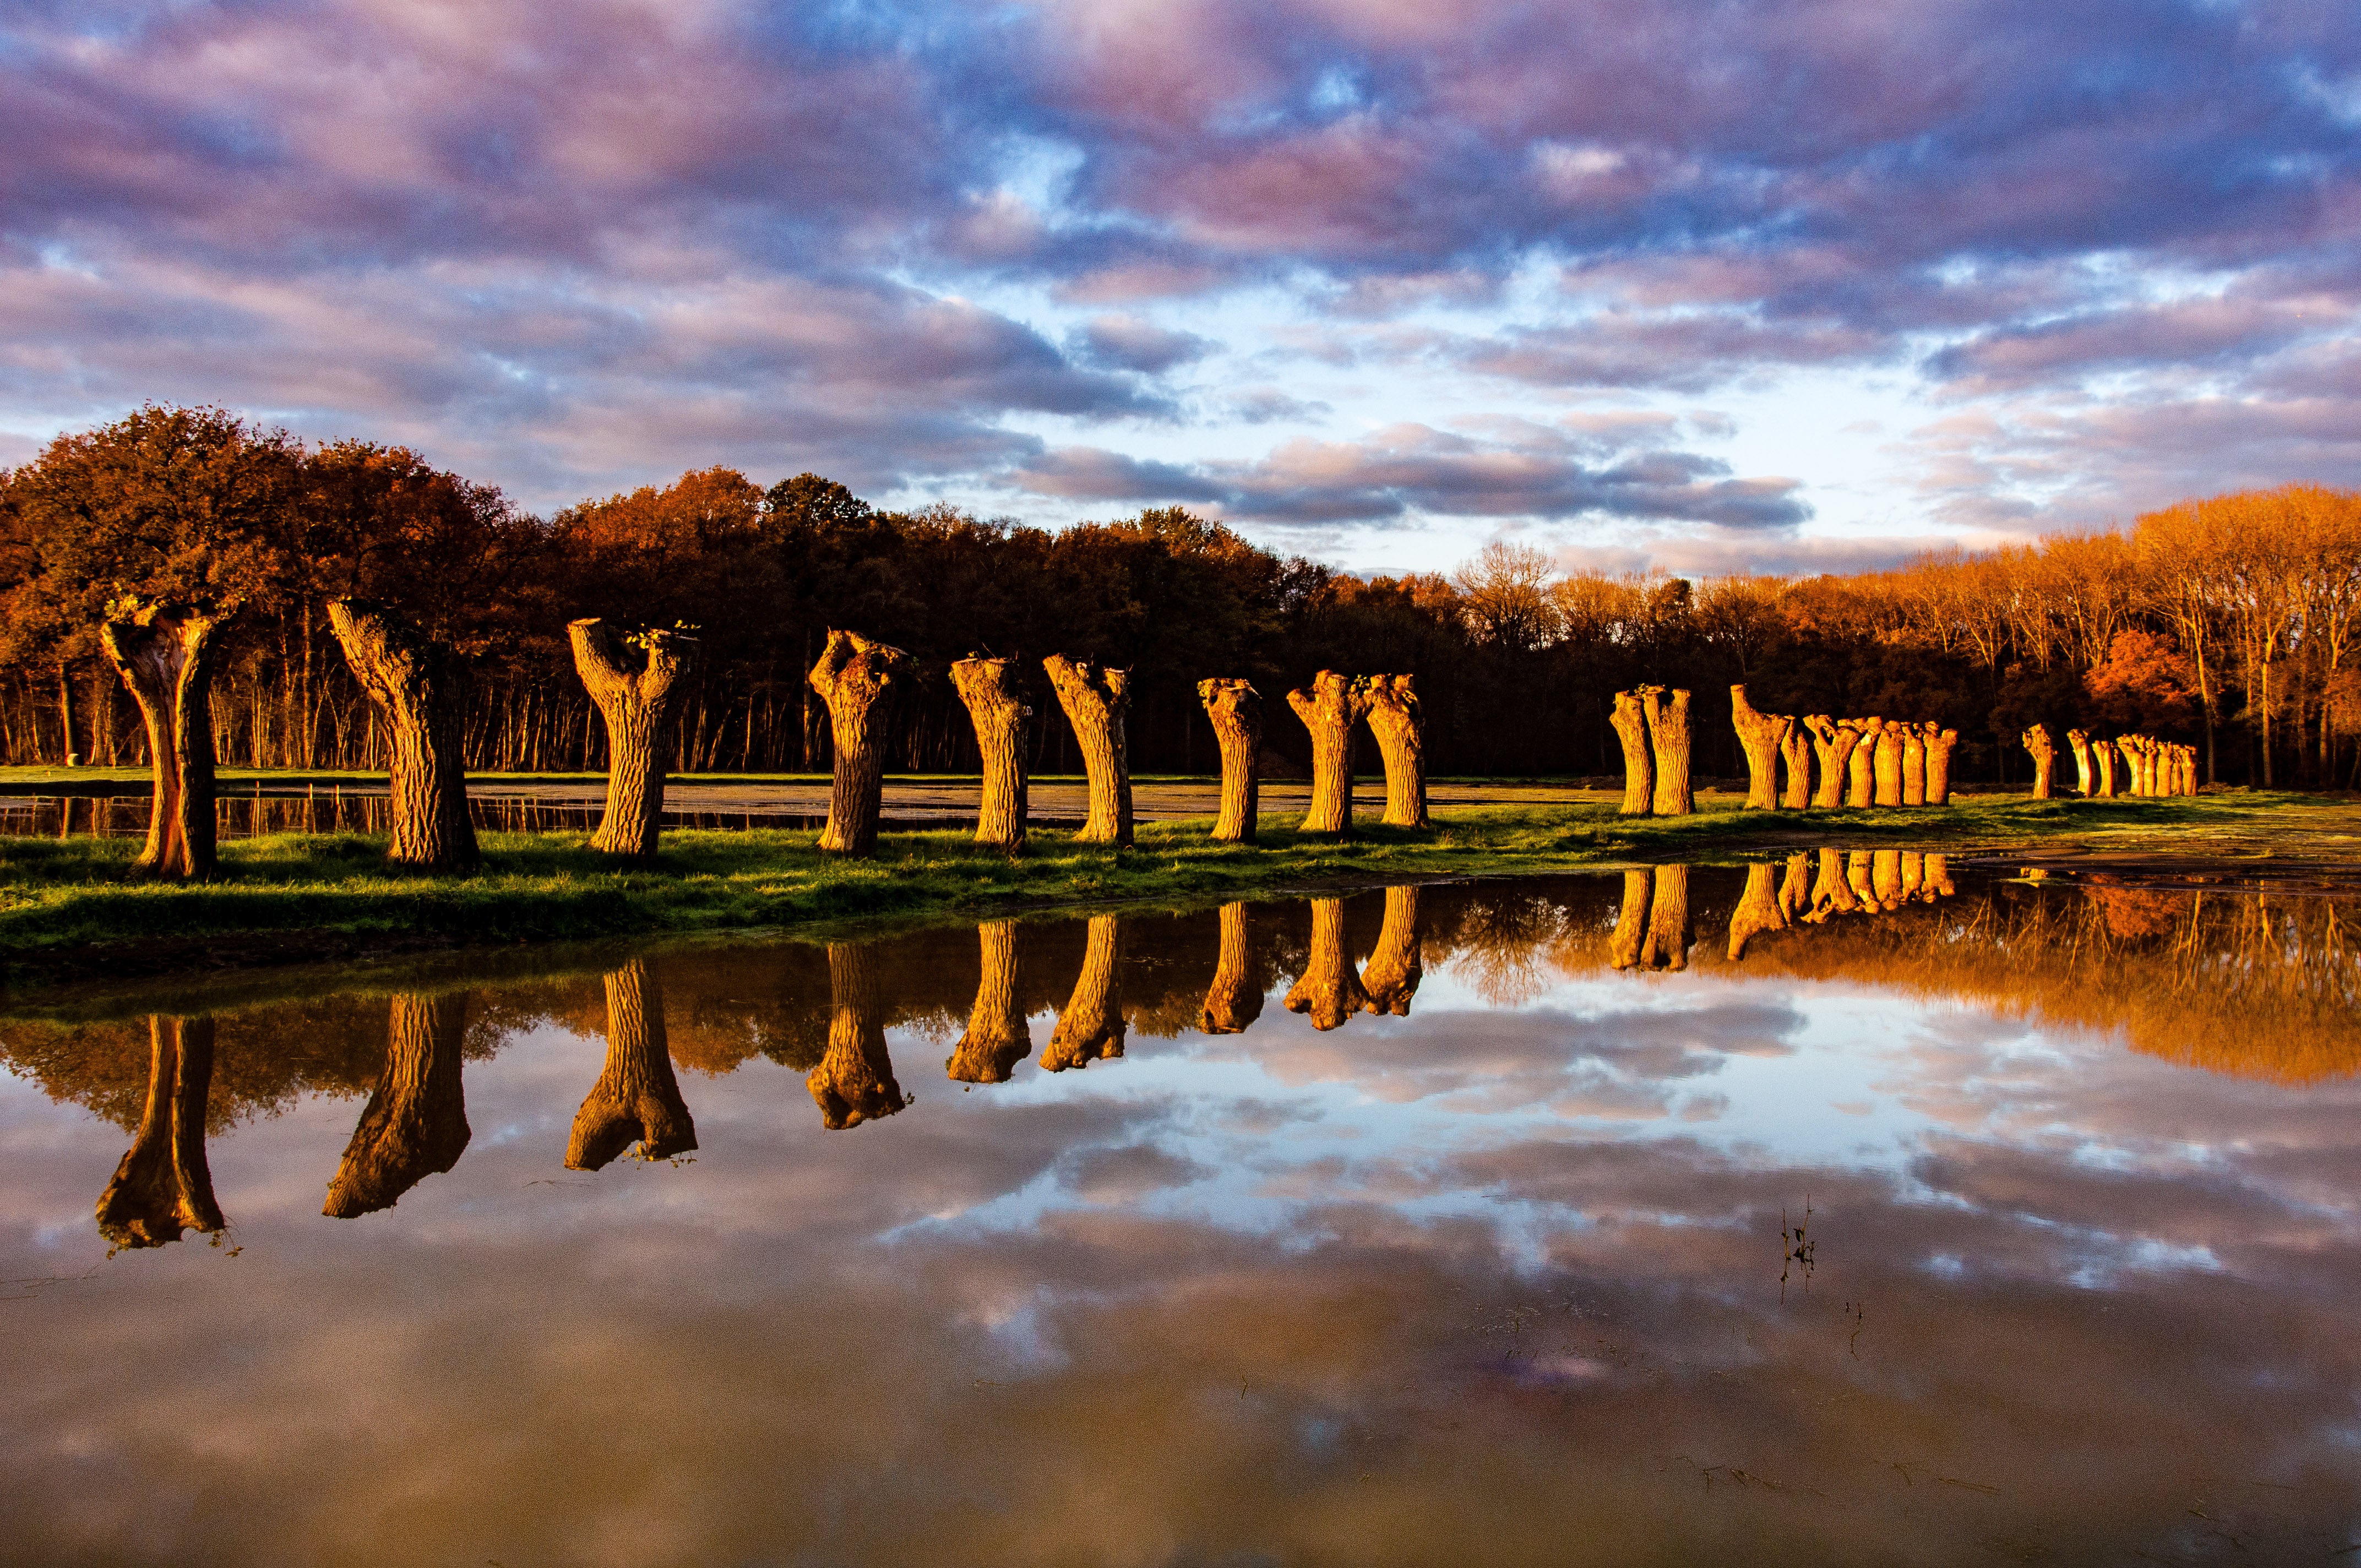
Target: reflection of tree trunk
(1939, 743)
(635, 1100)
(1912, 875)
(1668, 921)
(1760, 735)
(1396, 965)
(1329, 709)
(420, 686)
(1630, 722)
(996, 1038)
(998, 709)
(1091, 1028)
(854, 676)
(1237, 713)
(1885, 878)
(1887, 760)
(1759, 911)
(166, 656)
(1233, 1000)
(854, 1080)
(416, 1122)
(1097, 701)
(1328, 988)
(163, 1187)
(1831, 893)
(1796, 889)
(1857, 877)
(638, 681)
(2080, 742)
(1631, 918)
(1914, 764)
(1668, 729)
(1795, 752)
(1936, 877)
(2045, 757)
(1400, 729)
(1832, 744)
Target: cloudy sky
(1769, 284)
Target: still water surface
(1512, 1222)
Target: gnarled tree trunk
(163, 1187)
(1329, 709)
(1091, 1027)
(1887, 760)
(1831, 893)
(1233, 1000)
(854, 1080)
(1939, 745)
(636, 1099)
(856, 677)
(2079, 741)
(638, 680)
(1761, 735)
(1630, 722)
(1396, 964)
(420, 687)
(997, 1037)
(2045, 758)
(1668, 730)
(1327, 989)
(1400, 729)
(417, 1122)
(1759, 910)
(2102, 767)
(1668, 921)
(1631, 920)
(1235, 710)
(165, 654)
(1832, 744)
(1096, 700)
(1795, 754)
(998, 709)
(1860, 771)
(1914, 764)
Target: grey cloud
(1128, 343)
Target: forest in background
(2233, 622)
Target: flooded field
(1846, 1208)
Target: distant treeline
(2232, 623)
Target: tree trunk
(1329, 709)
(636, 1099)
(1630, 722)
(638, 680)
(854, 1080)
(1396, 964)
(1762, 735)
(1668, 730)
(1097, 701)
(1235, 711)
(997, 707)
(1233, 1000)
(2103, 768)
(1795, 887)
(1861, 779)
(1795, 755)
(1936, 877)
(163, 1187)
(1327, 989)
(1400, 728)
(2079, 741)
(68, 754)
(1858, 878)
(416, 1122)
(2045, 758)
(1885, 878)
(1668, 921)
(997, 1037)
(1940, 744)
(853, 677)
(1914, 764)
(1759, 910)
(1914, 866)
(165, 655)
(1091, 1027)
(420, 685)
(1888, 763)
(1831, 893)
(1631, 918)
(1832, 744)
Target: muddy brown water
(1682, 1216)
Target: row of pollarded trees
(2150, 766)
(1859, 762)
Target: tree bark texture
(1832, 745)
(420, 687)
(1235, 710)
(417, 1122)
(2045, 758)
(997, 707)
(1914, 764)
(638, 680)
(1758, 909)
(1761, 735)
(854, 1080)
(1233, 1000)
(1631, 721)
(1668, 731)
(1860, 777)
(165, 655)
(1400, 728)
(2079, 741)
(997, 1037)
(164, 1187)
(1887, 760)
(1396, 964)
(1097, 701)
(1329, 708)
(1091, 1028)
(1631, 920)
(1795, 756)
(2103, 766)
(1667, 945)
(636, 1099)
(858, 679)
(1939, 746)
(1327, 989)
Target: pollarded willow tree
(1940, 743)
(1795, 756)
(165, 654)
(1667, 945)
(636, 1099)
(420, 685)
(1091, 1025)
(854, 1080)
(997, 1036)
(1761, 735)
(1235, 710)
(1914, 764)
(1327, 991)
(1759, 910)
(1400, 728)
(1397, 963)
(1861, 772)
(1329, 707)
(1832, 744)
(996, 707)
(1668, 732)
(2045, 759)
(2079, 741)
(2103, 766)
(638, 678)
(1631, 920)
(164, 1187)
(1887, 761)
(858, 679)
(415, 1125)
(1630, 722)
(1234, 998)
(1097, 701)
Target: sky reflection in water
(1495, 1278)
